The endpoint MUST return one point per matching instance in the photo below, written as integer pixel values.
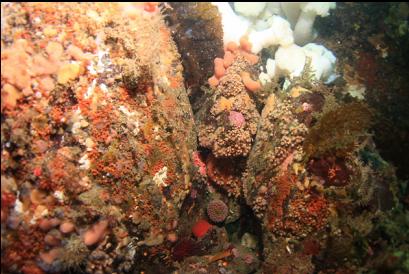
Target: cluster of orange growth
(117, 169)
(225, 173)
(232, 50)
(308, 214)
(62, 173)
(74, 28)
(26, 71)
(33, 61)
(84, 104)
(26, 63)
(101, 124)
(306, 211)
(23, 248)
(57, 114)
(283, 185)
(156, 167)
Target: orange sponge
(245, 44)
(249, 83)
(228, 59)
(232, 46)
(219, 69)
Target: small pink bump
(67, 227)
(236, 119)
(47, 224)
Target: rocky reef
(134, 139)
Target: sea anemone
(74, 254)
(217, 211)
(201, 228)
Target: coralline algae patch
(80, 144)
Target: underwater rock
(198, 33)
(221, 128)
(107, 140)
(106, 170)
(297, 199)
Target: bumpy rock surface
(96, 125)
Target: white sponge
(279, 33)
(322, 60)
(250, 9)
(234, 26)
(303, 30)
(290, 60)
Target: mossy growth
(305, 80)
(392, 228)
(92, 200)
(338, 130)
(397, 20)
(260, 98)
(75, 253)
(131, 72)
(373, 159)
